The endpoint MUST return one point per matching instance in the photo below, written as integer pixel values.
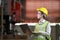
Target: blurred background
(24, 11)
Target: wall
(51, 5)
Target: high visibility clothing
(41, 27)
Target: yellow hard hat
(44, 10)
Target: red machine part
(17, 10)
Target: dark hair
(44, 16)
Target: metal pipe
(2, 24)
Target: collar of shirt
(41, 21)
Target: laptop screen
(25, 28)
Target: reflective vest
(41, 27)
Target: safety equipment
(41, 27)
(44, 10)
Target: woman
(42, 30)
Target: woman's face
(39, 15)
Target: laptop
(25, 28)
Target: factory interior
(18, 18)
